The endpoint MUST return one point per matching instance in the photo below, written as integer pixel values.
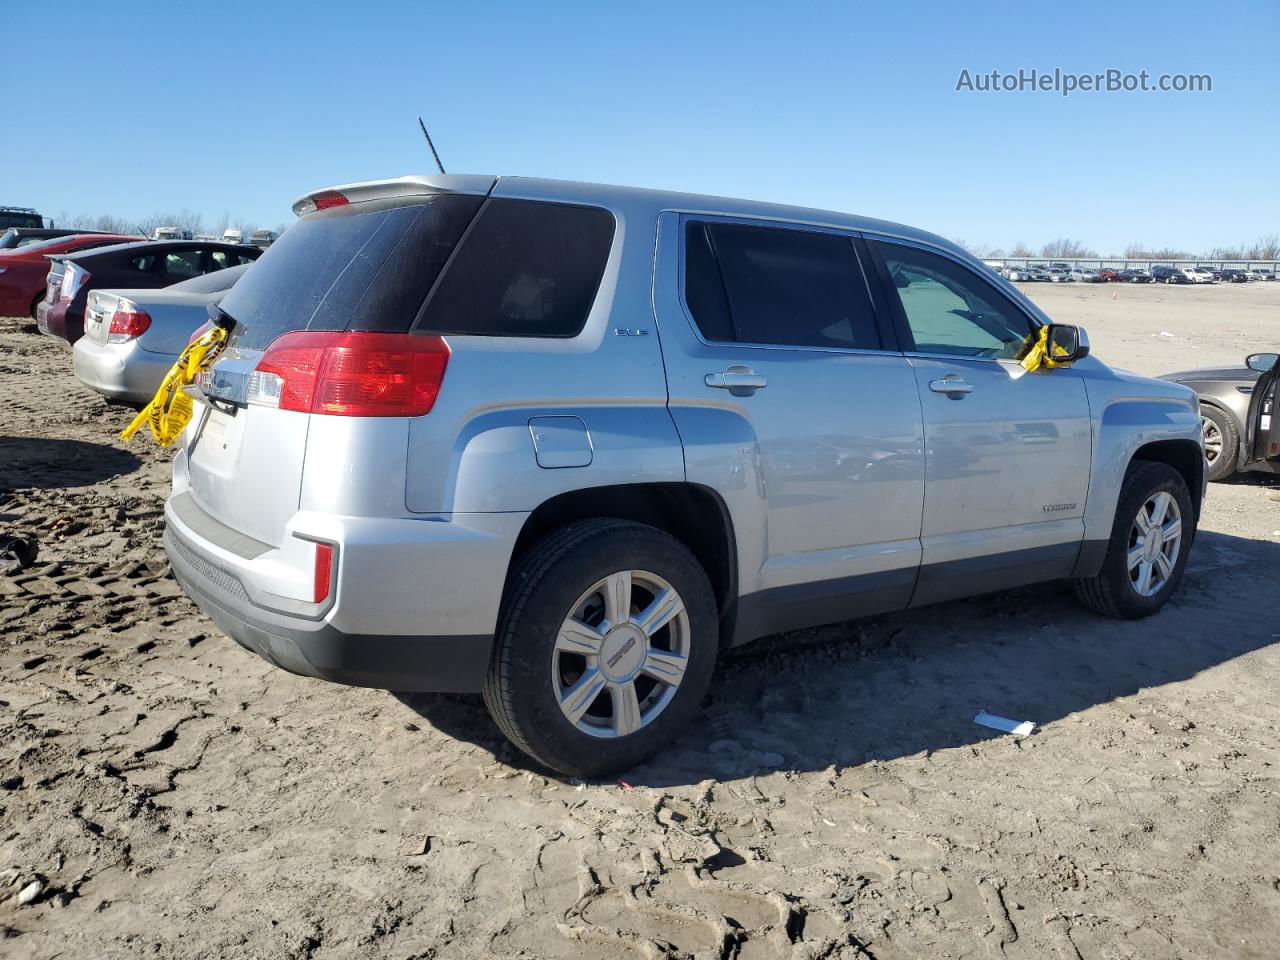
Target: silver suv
(564, 443)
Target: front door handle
(738, 380)
(952, 387)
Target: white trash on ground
(1004, 725)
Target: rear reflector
(329, 198)
(350, 374)
(127, 322)
(324, 572)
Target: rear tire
(576, 688)
(1118, 589)
(35, 305)
(1221, 442)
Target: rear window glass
(525, 269)
(365, 266)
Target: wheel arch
(692, 513)
(1186, 457)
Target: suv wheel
(1221, 443)
(605, 647)
(1150, 539)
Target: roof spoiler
(475, 184)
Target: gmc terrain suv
(563, 443)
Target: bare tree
(1267, 248)
(1138, 251)
(1020, 249)
(1066, 248)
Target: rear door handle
(951, 387)
(738, 379)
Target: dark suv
(1169, 275)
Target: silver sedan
(132, 337)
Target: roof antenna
(430, 144)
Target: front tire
(1150, 540)
(605, 647)
(1221, 442)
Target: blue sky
(239, 107)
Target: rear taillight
(73, 279)
(127, 322)
(324, 572)
(350, 374)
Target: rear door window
(183, 264)
(778, 286)
(526, 269)
(363, 266)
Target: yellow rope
(170, 410)
(1038, 355)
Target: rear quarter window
(525, 269)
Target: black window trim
(899, 316)
(884, 325)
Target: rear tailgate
(364, 266)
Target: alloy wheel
(620, 654)
(1212, 439)
(1154, 542)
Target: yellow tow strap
(1038, 354)
(171, 409)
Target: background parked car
(1108, 274)
(1136, 276)
(144, 265)
(132, 337)
(1228, 403)
(24, 270)
(1037, 273)
(1200, 275)
(1169, 275)
(1058, 275)
(16, 237)
(1261, 275)
(1085, 275)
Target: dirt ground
(171, 796)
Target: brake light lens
(73, 279)
(127, 322)
(324, 572)
(350, 374)
(329, 198)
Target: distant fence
(1094, 263)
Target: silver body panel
(844, 467)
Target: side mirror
(1262, 362)
(1067, 343)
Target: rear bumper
(122, 371)
(61, 320)
(320, 650)
(440, 580)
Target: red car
(24, 270)
(1109, 275)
